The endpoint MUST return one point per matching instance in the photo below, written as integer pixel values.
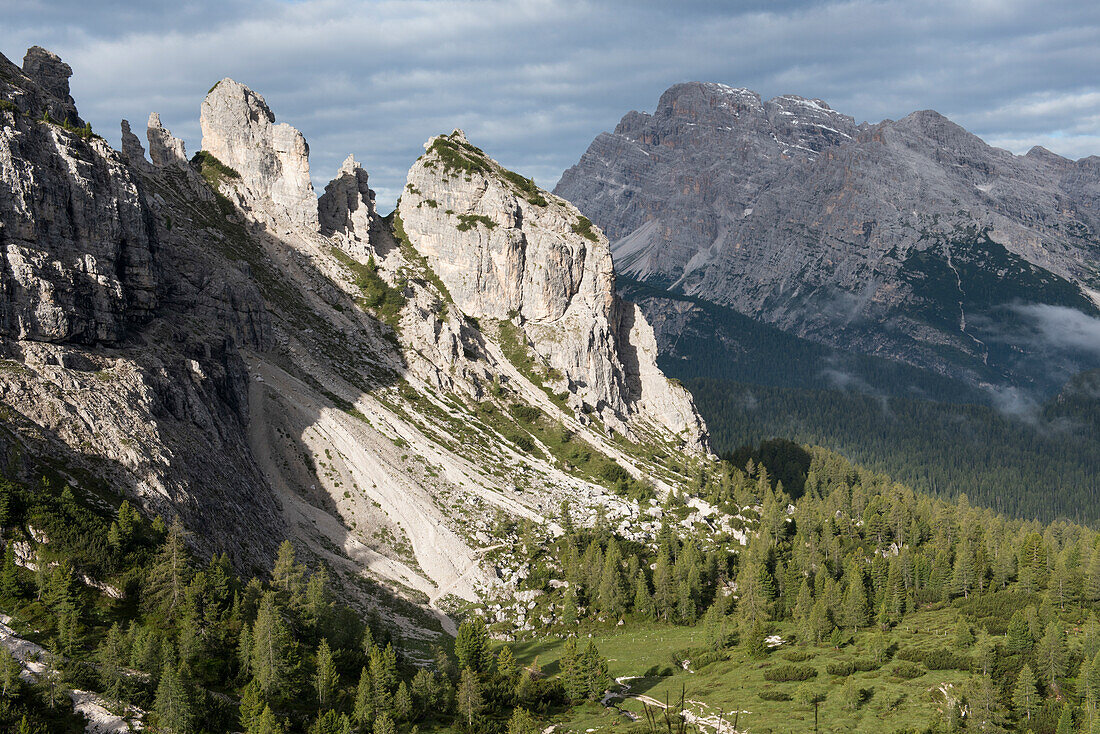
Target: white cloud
(533, 81)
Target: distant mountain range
(910, 240)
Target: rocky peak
(346, 209)
(239, 129)
(164, 148)
(52, 75)
(510, 252)
(132, 149)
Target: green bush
(526, 413)
(583, 227)
(908, 670)
(526, 186)
(944, 659)
(469, 221)
(799, 656)
(786, 673)
(843, 668)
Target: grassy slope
(889, 703)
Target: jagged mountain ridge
(902, 239)
(209, 338)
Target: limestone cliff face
(346, 209)
(273, 159)
(76, 240)
(507, 251)
(120, 332)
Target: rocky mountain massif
(208, 338)
(911, 240)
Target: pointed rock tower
(239, 129)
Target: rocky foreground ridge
(905, 239)
(207, 337)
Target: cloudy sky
(533, 81)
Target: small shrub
(943, 659)
(843, 668)
(583, 227)
(787, 673)
(799, 656)
(526, 413)
(469, 221)
(908, 670)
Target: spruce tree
(363, 708)
(1025, 695)
(643, 600)
(269, 661)
(402, 703)
(1051, 654)
(522, 722)
(174, 707)
(470, 702)
(326, 678)
(472, 646)
(170, 573)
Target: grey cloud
(533, 81)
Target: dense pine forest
(787, 577)
(1041, 465)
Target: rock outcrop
(509, 252)
(165, 149)
(52, 75)
(853, 235)
(132, 149)
(75, 234)
(346, 209)
(239, 129)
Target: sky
(534, 81)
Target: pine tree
(170, 573)
(594, 667)
(964, 638)
(1025, 695)
(716, 622)
(522, 722)
(326, 678)
(1065, 721)
(569, 611)
(9, 673)
(1051, 653)
(472, 646)
(470, 702)
(270, 650)
(611, 592)
(287, 575)
(820, 623)
(10, 588)
(384, 724)
(383, 676)
(110, 657)
(363, 709)
(643, 600)
(402, 703)
(507, 668)
(664, 587)
(174, 707)
(266, 722)
(1019, 639)
(571, 672)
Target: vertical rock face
(132, 150)
(346, 209)
(75, 235)
(507, 251)
(239, 129)
(164, 148)
(52, 74)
